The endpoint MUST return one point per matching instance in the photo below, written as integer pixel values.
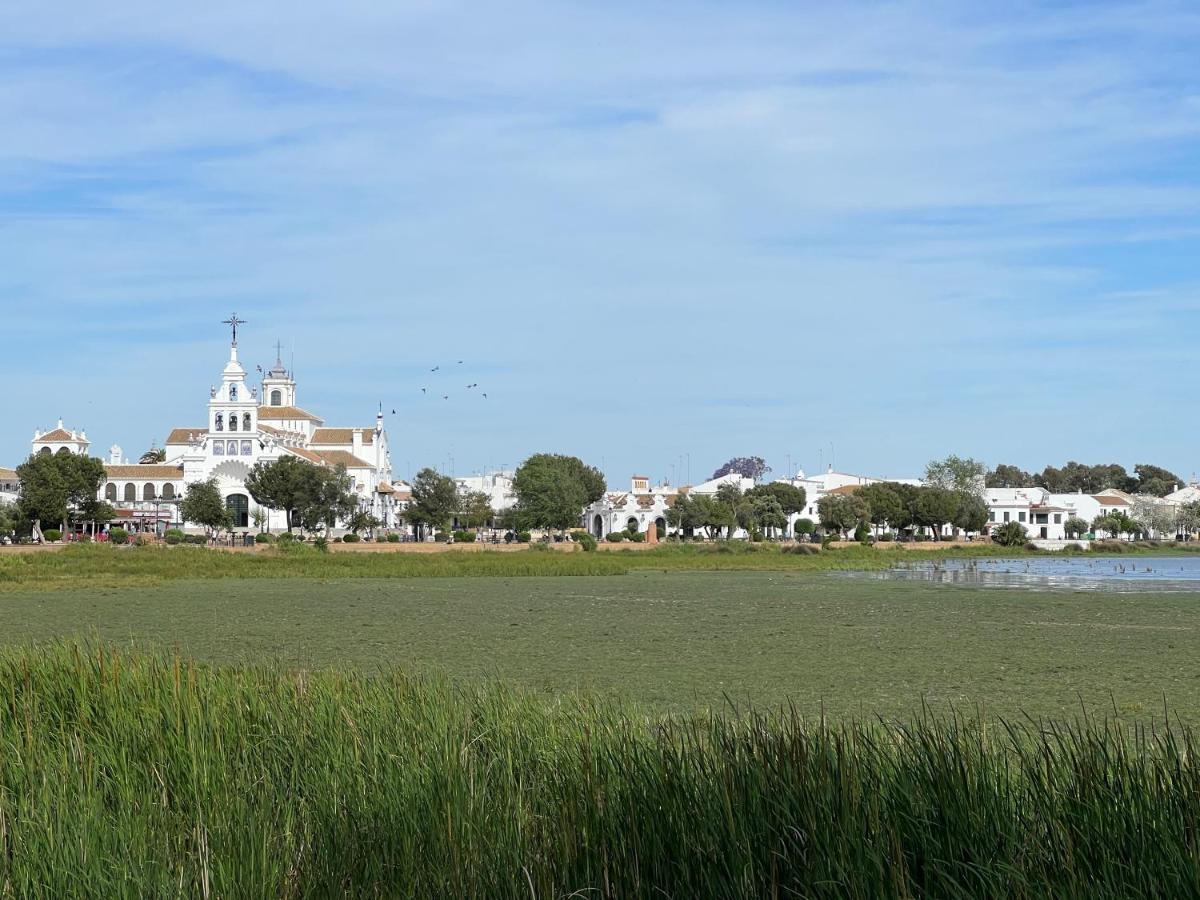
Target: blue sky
(878, 233)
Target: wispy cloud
(874, 219)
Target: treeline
(762, 511)
(889, 504)
(1077, 477)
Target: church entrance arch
(597, 527)
(660, 528)
(239, 510)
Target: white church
(244, 426)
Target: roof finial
(233, 322)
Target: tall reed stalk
(125, 774)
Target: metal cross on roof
(233, 321)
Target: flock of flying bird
(469, 387)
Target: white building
(817, 486)
(241, 431)
(497, 485)
(10, 487)
(60, 439)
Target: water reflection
(1160, 574)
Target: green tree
(1188, 518)
(791, 499)
(936, 507)
(153, 456)
(203, 505)
(1010, 534)
(885, 503)
(842, 512)
(972, 513)
(329, 500)
(686, 514)
(361, 520)
(287, 484)
(434, 500)
(1006, 476)
(553, 490)
(1075, 527)
(766, 514)
(954, 473)
(56, 487)
(474, 509)
(1155, 481)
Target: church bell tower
(278, 386)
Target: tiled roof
(403, 495)
(284, 413)
(1113, 501)
(58, 434)
(271, 430)
(845, 489)
(384, 488)
(305, 454)
(152, 473)
(342, 436)
(182, 435)
(8, 474)
(349, 460)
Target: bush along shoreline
(126, 774)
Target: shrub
(263, 538)
(118, 535)
(1010, 534)
(464, 537)
(920, 538)
(523, 537)
(802, 549)
(803, 526)
(393, 538)
(442, 537)
(615, 537)
(862, 533)
(886, 536)
(52, 534)
(584, 539)
(321, 544)
(141, 541)
(173, 536)
(350, 538)
(285, 538)
(194, 539)
(756, 536)
(636, 536)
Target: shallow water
(1157, 574)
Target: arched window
(148, 492)
(277, 398)
(233, 421)
(220, 422)
(45, 451)
(110, 492)
(233, 392)
(631, 524)
(168, 492)
(245, 421)
(218, 448)
(239, 509)
(232, 450)
(130, 493)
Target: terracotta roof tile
(58, 434)
(384, 488)
(286, 413)
(305, 454)
(349, 460)
(150, 473)
(342, 436)
(8, 474)
(181, 435)
(1113, 501)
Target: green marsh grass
(125, 774)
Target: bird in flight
(485, 396)
(393, 412)
(422, 390)
(445, 396)
(435, 368)
(460, 362)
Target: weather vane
(233, 321)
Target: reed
(124, 774)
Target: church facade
(244, 425)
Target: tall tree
(203, 505)
(1006, 476)
(885, 504)
(328, 501)
(434, 499)
(936, 507)
(55, 487)
(474, 509)
(842, 512)
(153, 455)
(791, 499)
(972, 513)
(954, 473)
(1155, 480)
(553, 490)
(753, 467)
(287, 484)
